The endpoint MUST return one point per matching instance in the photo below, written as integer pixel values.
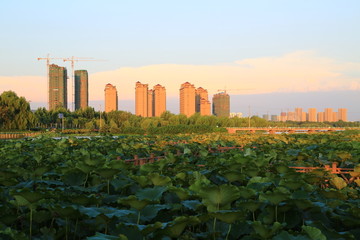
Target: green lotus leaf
(141, 180)
(338, 182)
(149, 228)
(181, 176)
(92, 212)
(266, 231)
(357, 181)
(314, 233)
(187, 151)
(159, 180)
(74, 178)
(291, 184)
(85, 168)
(151, 211)
(229, 216)
(287, 236)
(152, 194)
(246, 192)
(107, 173)
(101, 236)
(191, 204)
(249, 205)
(220, 197)
(182, 193)
(233, 176)
(30, 197)
(174, 228)
(273, 197)
(134, 202)
(66, 212)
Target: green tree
(15, 112)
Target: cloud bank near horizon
(300, 71)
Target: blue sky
(198, 35)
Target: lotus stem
(138, 220)
(76, 225)
(214, 228)
(228, 232)
(31, 220)
(66, 228)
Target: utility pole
(249, 115)
(100, 120)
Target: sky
(271, 55)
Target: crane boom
(48, 58)
(73, 60)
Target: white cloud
(300, 71)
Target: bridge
(273, 130)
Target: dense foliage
(73, 188)
(15, 114)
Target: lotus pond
(81, 188)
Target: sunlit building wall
(159, 100)
(187, 99)
(312, 115)
(328, 115)
(150, 103)
(111, 98)
(342, 114)
(81, 89)
(141, 99)
(221, 104)
(57, 87)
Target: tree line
(15, 114)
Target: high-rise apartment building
(342, 114)
(57, 87)
(141, 99)
(291, 116)
(321, 117)
(159, 102)
(205, 107)
(328, 115)
(111, 98)
(221, 104)
(312, 115)
(298, 114)
(283, 117)
(202, 103)
(149, 103)
(335, 117)
(81, 89)
(187, 99)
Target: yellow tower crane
(73, 60)
(48, 58)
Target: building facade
(328, 115)
(141, 99)
(57, 87)
(111, 98)
(81, 89)
(312, 115)
(187, 99)
(221, 104)
(159, 100)
(342, 114)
